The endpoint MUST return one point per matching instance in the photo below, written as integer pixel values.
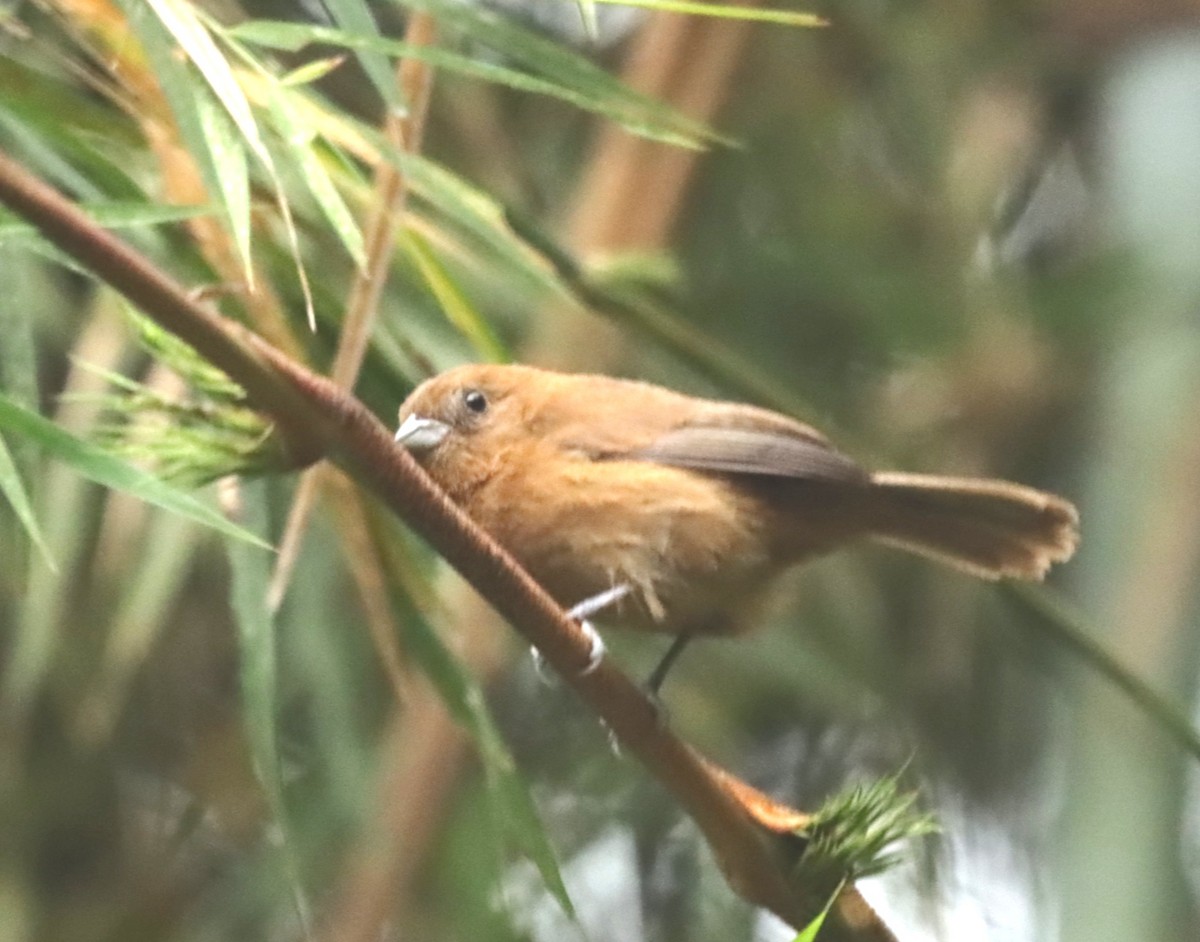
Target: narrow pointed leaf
(98, 465)
(299, 140)
(355, 16)
(14, 492)
(120, 215)
(454, 303)
(573, 80)
(181, 21)
(203, 127)
(512, 805)
(724, 11)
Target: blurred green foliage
(961, 238)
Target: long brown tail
(992, 529)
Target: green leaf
(98, 465)
(512, 806)
(1070, 629)
(809, 932)
(18, 377)
(14, 492)
(454, 304)
(191, 31)
(203, 127)
(570, 70)
(477, 216)
(312, 71)
(251, 571)
(298, 137)
(781, 17)
(567, 77)
(181, 21)
(112, 215)
(355, 16)
(587, 13)
(228, 155)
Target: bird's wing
(733, 450)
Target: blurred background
(960, 237)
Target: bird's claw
(596, 647)
(539, 665)
(596, 651)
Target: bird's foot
(579, 613)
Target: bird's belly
(688, 545)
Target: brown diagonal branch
(316, 419)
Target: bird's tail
(992, 529)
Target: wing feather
(732, 450)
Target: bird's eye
(475, 401)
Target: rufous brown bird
(681, 511)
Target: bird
(676, 514)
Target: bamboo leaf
(355, 16)
(181, 21)
(14, 492)
(113, 215)
(312, 71)
(587, 13)
(98, 465)
(720, 10)
(298, 137)
(257, 641)
(454, 303)
(480, 218)
(191, 32)
(228, 156)
(203, 128)
(565, 76)
(18, 377)
(512, 806)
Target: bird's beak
(417, 433)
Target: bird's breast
(683, 540)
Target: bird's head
(461, 421)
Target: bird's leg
(580, 613)
(655, 681)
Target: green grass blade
(112, 215)
(191, 30)
(98, 465)
(454, 303)
(257, 642)
(574, 80)
(251, 572)
(512, 806)
(1070, 629)
(779, 17)
(354, 16)
(14, 492)
(809, 932)
(18, 378)
(481, 219)
(228, 155)
(299, 139)
(204, 128)
(587, 14)
(181, 21)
